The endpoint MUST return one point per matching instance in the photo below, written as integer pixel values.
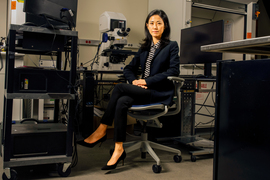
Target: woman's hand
(140, 82)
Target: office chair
(148, 115)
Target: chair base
(146, 146)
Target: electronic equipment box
(28, 80)
(29, 140)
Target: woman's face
(155, 26)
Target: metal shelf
(217, 8)
(36, 29)
(16, 162)
(39, 95)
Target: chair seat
(153, 106)
(147, 111)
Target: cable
(2, 48)
(203, 103)
(197, 66)
(75, 158)
(215, 11)
(96, 56)
(206, 109)
(77, 113)
(205, 100)
(211, 131)
(214, 102)
(78, 57)
(32, 60)
(75, 151)
(75, 154)
(204, 123)
(1, 62)
(53, 62)
(53, 30)
(66, 59)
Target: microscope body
(114, 38)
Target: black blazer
(165, 63)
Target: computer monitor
(194, 37)
(58, 14)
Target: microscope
(114, 38)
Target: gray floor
(90, 161)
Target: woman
(158, 59)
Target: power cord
(211, 121)
(75, 154)
(205, 100)
(1, 62)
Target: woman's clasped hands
(140, 82)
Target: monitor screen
(55, 12)
(194, 37)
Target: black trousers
(123, 97)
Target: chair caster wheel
(156, 168)
(177, 158)
(193, 158)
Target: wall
(175, 10)
(3, 17)
(88, 21)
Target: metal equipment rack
(39, 41)
(202, 146)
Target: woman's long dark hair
(165, 38)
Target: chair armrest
(174, 78)
(178, 83)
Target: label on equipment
(25, 83)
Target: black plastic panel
(242, 121)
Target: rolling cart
(42, 143)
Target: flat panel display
(194, 37)
(57, 12)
